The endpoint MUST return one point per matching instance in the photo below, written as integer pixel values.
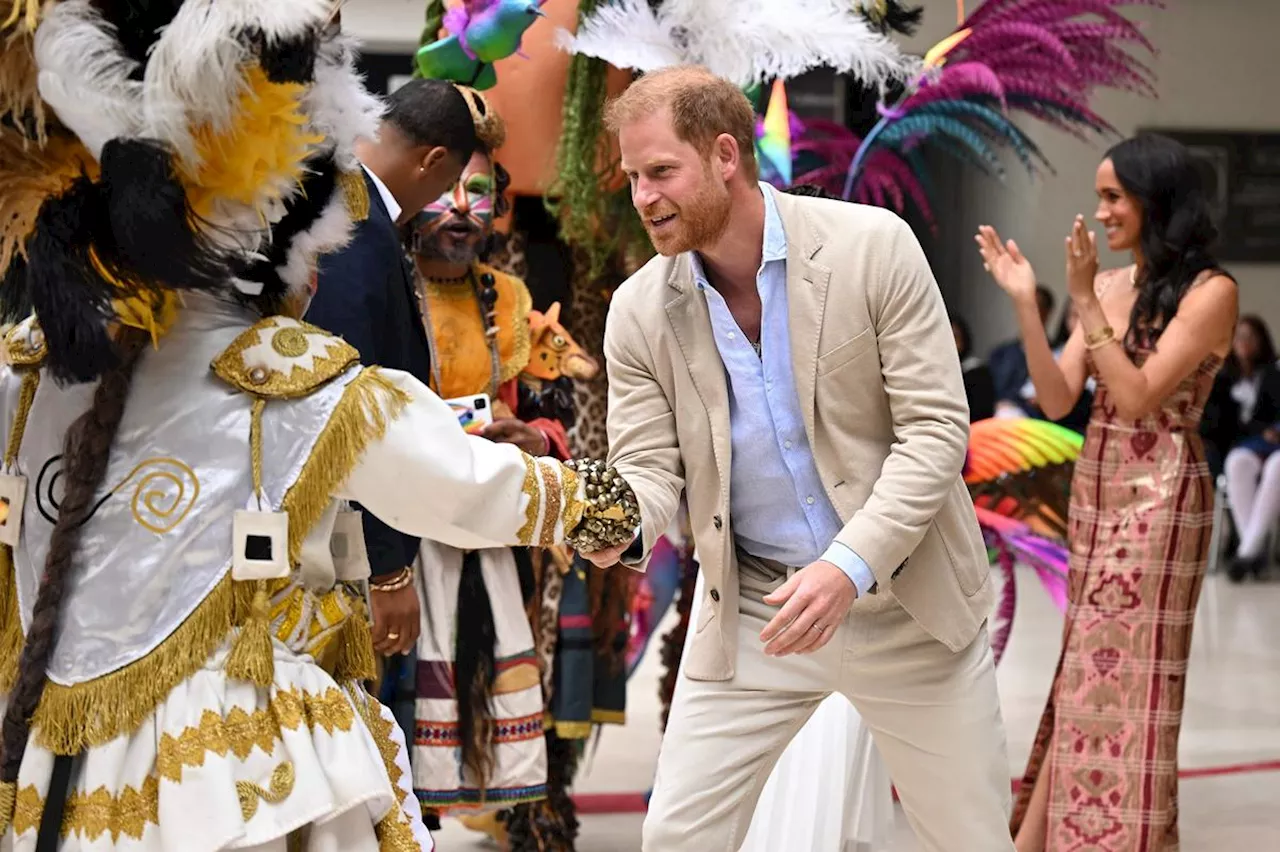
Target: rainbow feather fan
(1044, 59)
(1019, 473)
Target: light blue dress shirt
(777, 504)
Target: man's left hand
(524, 436)
(814, 602)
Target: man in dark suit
(365, 293)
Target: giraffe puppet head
(553, 352)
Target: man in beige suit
(789, 364)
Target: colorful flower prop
(480, 33)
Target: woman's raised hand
(1006, 264)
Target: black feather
(15, 300)
(899, 18)
(138, 24)
(288, 60)
(301, 212)
(71, 299)
(154, 240)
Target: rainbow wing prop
(1019, 472)
(1022, 468)
(1032, 58)
(1011, 543)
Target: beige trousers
(934, 716)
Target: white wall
(392, 26)
(1215, 71)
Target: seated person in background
(1252, 467)
(1008, 362)
(978, 385)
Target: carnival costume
(478, 708)
(184, 631)
(482, 745)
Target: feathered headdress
(748, 42)
(190, 144)
(1043, 59)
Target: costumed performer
(182, 581)
(481, 744)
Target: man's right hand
(608, 557)
(396, 621)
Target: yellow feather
(259, 157)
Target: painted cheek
(482, 209)
(431, 217)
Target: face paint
(457, 223)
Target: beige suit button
(715, 595)
(717, 522)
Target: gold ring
(393, 636)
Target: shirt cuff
(858, 571)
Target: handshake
(610, 516)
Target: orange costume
(466, 360)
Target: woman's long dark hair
(1177, 231)
(86, 451)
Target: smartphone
(474, 412)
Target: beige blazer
(884, 409)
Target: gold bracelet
(403, 579)
(1099, 338)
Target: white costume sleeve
(427, 477)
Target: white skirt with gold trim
(305, 765)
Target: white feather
(276, 19)
(338, 104)
(745, 41)
(754, 41)
(331, 231)
(84, 75)
(195, 73)
(625, 34)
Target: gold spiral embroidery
(250, 794)
(164, 493)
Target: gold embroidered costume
(180, 583)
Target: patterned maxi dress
(1140, 517)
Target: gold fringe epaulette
(282, 358)
(24, 344)
(73, 718)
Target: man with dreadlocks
(183, 619)
(481, 745)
